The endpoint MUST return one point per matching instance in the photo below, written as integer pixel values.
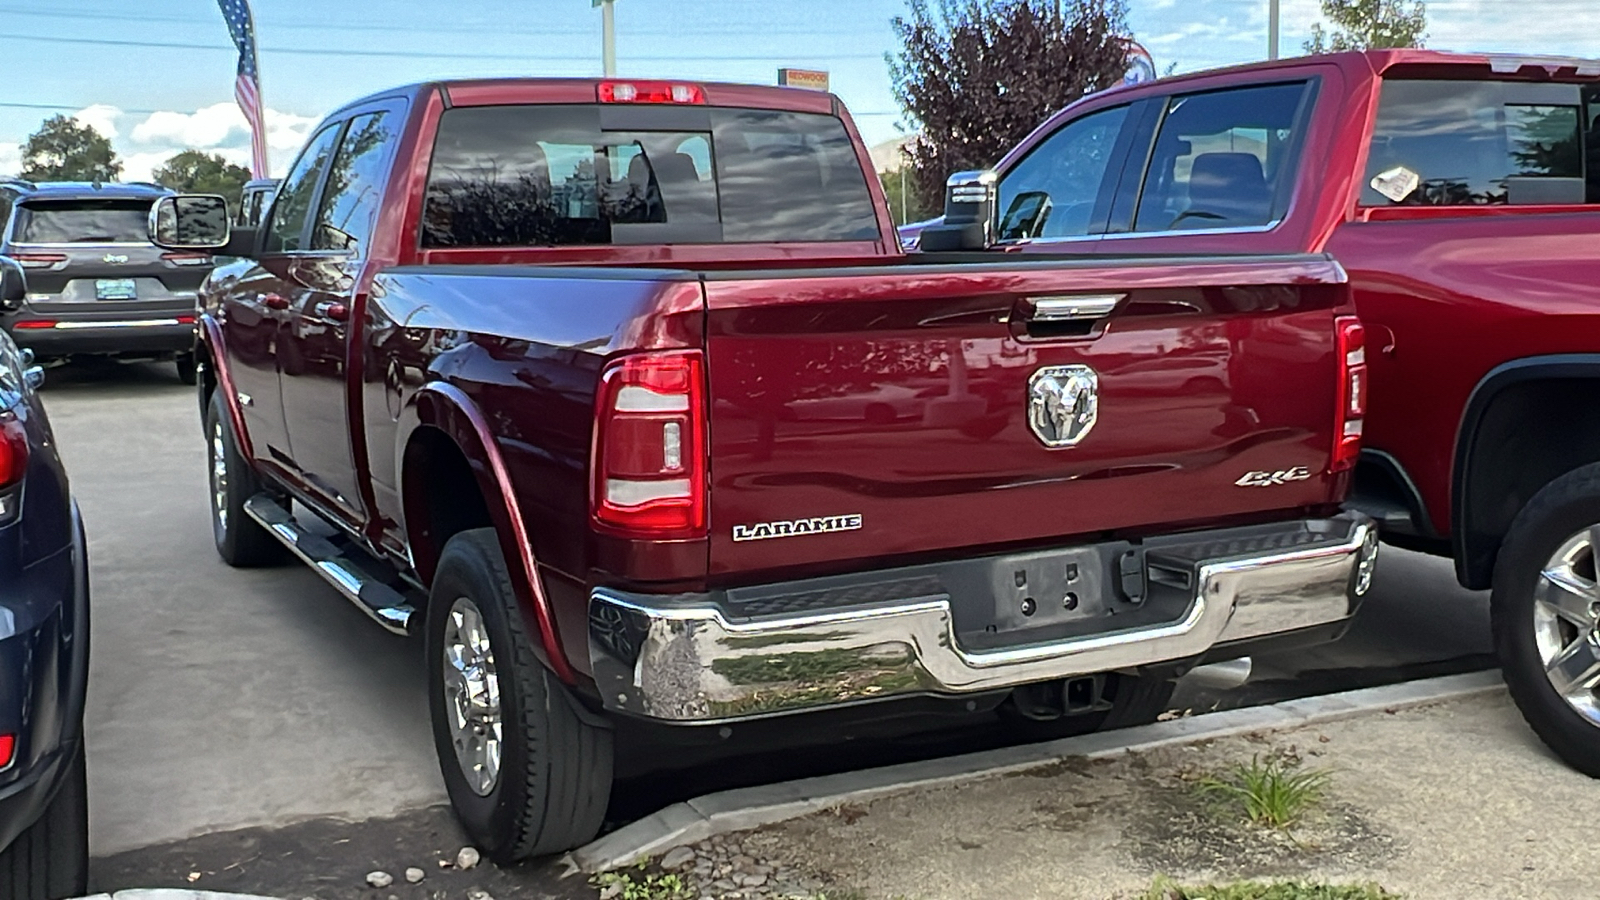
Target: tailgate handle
(1072, 309)
(1065, 316)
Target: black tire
(555, 772)
(1559, 511)
(186, 368)
(241, 541)
(50, 861)
(1135, 700)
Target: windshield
(82, 222)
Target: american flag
(247, 87)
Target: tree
(1369, 25)
(904, 204)
(64, 149)
(196, 172)
(978, 75)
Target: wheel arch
(448, 449)
(1523, 427)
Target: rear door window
(1480, 143)
(82, 222)
(355, 185)
(286, 233)
(1224, 159)
(1063, 187)
(533, 176)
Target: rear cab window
(559, 175)
(1483, 143)
(81, 222)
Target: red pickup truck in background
(625, 395)
(1460, 192)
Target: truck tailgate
(873, 413)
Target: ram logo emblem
(1063, 404)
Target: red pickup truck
(1462, 194)
(624, 394)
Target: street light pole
(1273, 20)
(608, 28)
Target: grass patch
(1164, 889)
(639, 883)
(1275, 792)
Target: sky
(156, 76)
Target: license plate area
(1047, 588)
(1053, 595)
(116, 289)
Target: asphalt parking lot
(224, 699)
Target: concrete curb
(741, 810)
(172, 894)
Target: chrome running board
(385, 605)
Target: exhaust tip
(1225, 675)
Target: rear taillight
(649, 457)
(650, 92)
(187, 259)
(13, 452)
(39, 260)
(13, 465)
(1352, 410)
(34, 324)
(8, 750)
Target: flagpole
(608, 36)
(1274, 20)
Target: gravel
(740, 867)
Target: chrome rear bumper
(688, 659)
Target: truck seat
(1227, 189)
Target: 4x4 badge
(1274, 479)
(1063, 404)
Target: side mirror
(13, 284)
(969, 213)
(190, 222)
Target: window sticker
(1397, 183)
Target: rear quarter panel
(1446, 299)
(527, 347)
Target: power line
(430, 28)
(422, 54)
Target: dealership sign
(809, 79)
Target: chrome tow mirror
(969, 213)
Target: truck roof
(1380, 61)
(498, 91)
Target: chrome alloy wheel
(1566, 622)
(472, 697)
(219, 476)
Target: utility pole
(1273, 21)
(608, 28)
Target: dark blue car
(44, 643)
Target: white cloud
(10, 158)
(101, 118)
(202, 129)
(219, 128)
